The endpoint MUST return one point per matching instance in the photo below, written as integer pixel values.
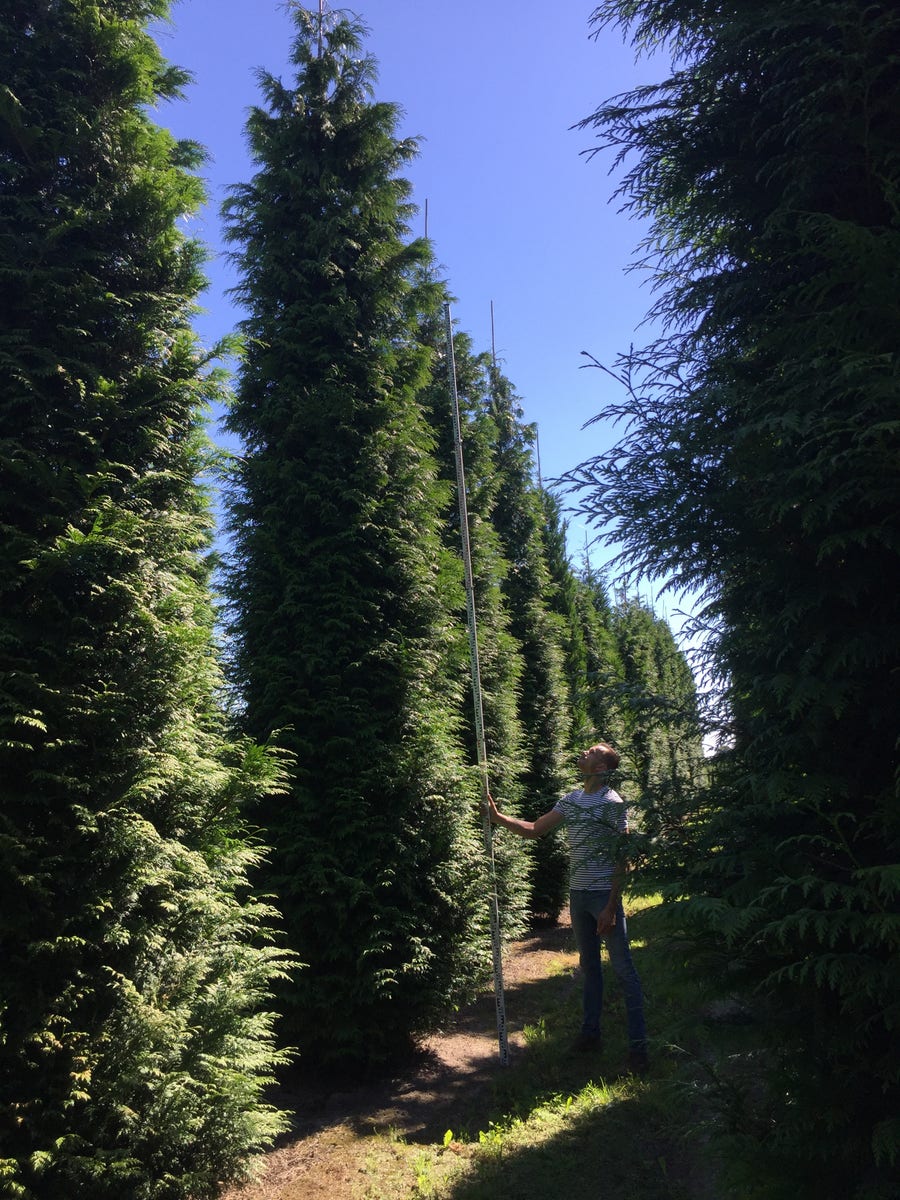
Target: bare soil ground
(446, 1086)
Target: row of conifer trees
(758, 469)
(151, 796)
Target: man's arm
(525, 829)
(607, 917)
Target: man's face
(591, 762)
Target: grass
(575, 1126)
(556, 1124)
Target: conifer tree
(562, 602)
(760, 470)
(606, 701)
(341, 625)
(499, 653)
(132, 1052)
(659, 702)
(643, 698)
(527, 590)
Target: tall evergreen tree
(761, 470)
(527, 589)
(132, 1056)
(642, 696)
(563, 603)
(499, 653)
(604, 670)
(341, 624)
(658, 698)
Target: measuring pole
(476, 693)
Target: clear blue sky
(516, 214)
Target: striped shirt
(594, 821)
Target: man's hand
(606, 921)
(525, 829)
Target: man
(595, 816)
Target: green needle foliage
(342, 591)
(604, 688)
(658, 698)
(760, 470)
(529, 594)
(135, 961)
(662, 760)
(500, 662)
(564, 603)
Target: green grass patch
(558, 1124)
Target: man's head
(598, 759)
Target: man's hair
(610, 755)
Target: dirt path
(438, 1091)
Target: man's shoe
(587, 1043)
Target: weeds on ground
(563, 1124)
(559, 1124)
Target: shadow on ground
(456, 1080)
(452, 1082)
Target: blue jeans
(584, 909)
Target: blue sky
(517, 215)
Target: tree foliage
(528, 592)
(132, 1051)
(657, 698)
(759, 470)
(340, 585)
(500, 659)
(564, 602)
(605, 698)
